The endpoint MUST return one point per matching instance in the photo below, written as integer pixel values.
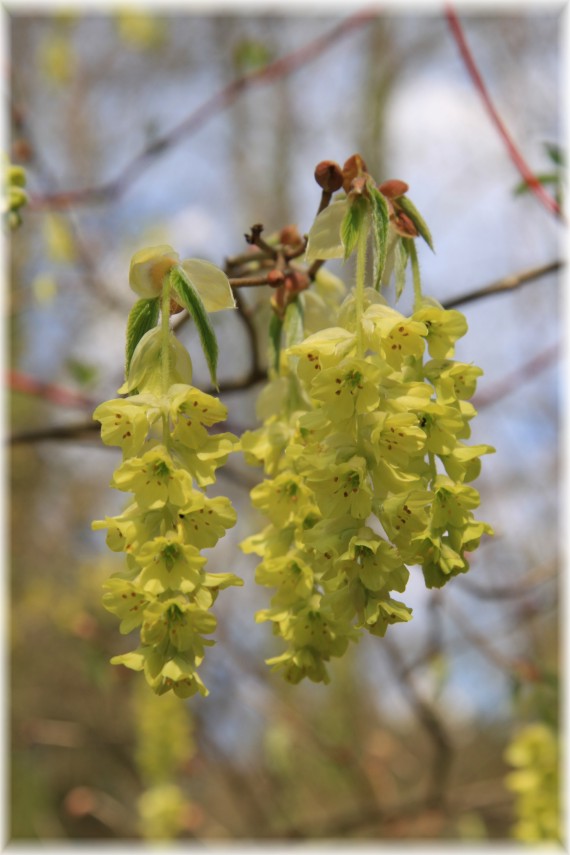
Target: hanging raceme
(15, 197)
(368, 474)
(162, 429)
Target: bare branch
(508, 283)
(254, 239)
(18, 381)
(523, 669)
(506, 592)
(82, 430)
(513, 381)
(532, 181)
(218, 102)
(432, 722)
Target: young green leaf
(542, 178)
(188, 296)
(555, 153)
(380, 223)
(142, 318)
(293, 325)
(211, 283)
(353, 222)
(275, 327)
(410, 209)
(324, 235)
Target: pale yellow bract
(149, 267)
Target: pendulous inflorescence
(169, 458)
(368, 471)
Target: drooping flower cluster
(368, 473)
(15, 197)
(535, 781)
(168, 456)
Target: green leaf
(294, 325)
(353, 222)
(380, 223)
(401, 256)
(542, 178)
(211, 283)
(555, 153)
(410, 209)
(251, 54)
(142, 318)
(324, 235)
(275, 327)
(82, 372)
(188, 296)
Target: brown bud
(290, 236)
(403, 224)
(80, 801)
(84, 626)
(175, 307)
(353, 167)
(296, 281)
(393, 188)
(22, 151)
(328, 175)
(275, 278)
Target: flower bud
(328, 175)
(352, 168)
(393, 188)
(290, 236)
(149, 267)
(403, 224)
(275, 278)
(296, 281)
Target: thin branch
(513, 381)
(507, 283)
(506, 592)
(432, 722)
(46, 177)
(83, 430)
(194, 122)
(256, 373)
(255, 239)
(18, 381)
(252, 281)
(522, 669)
(526, 172)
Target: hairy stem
(360, 285)
(165, 335)
(415, 274)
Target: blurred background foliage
(411, 739)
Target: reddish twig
(17, 381)
(526, 172)
(221, 100)
(525, 372)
